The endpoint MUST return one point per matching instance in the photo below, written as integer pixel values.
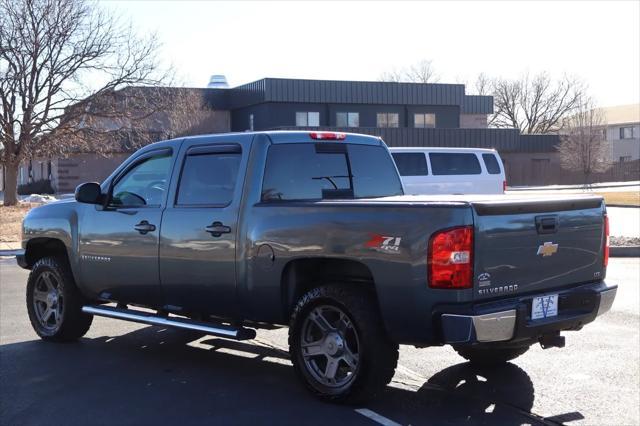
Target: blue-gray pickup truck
(228, 233)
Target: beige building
(623, 132)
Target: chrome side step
(227, 331)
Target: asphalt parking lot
(123, 373)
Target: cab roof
(278, 137)
(299, 136)
(319, 136)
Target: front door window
(144, 185)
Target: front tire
(490, 357)
(338, 344)
(54, 302)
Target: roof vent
(218, 82)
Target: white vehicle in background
(450, 170)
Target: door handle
(216, 229)
(144, 227)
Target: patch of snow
(38, 199)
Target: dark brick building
(403, 114)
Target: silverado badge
(547, 249)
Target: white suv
(450, 170)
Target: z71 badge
(391, 244)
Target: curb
(624, 251)
(569, 187)
(623, 205)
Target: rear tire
(490, 357)
(54, 302)
(350, 358)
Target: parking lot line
(376, 417)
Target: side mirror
(89, 193)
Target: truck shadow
(154, 375)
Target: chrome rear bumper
(606, 300)
(515, 323)
(494, 327)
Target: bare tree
(535, 104)
(482, 85)
(420, 72)
(583, 147)
(60, 60)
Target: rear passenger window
(411, 163)
(491, 163)
(445, 163)
(208, 179)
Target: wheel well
(38, 248)
(301, 275)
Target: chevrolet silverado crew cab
(224, 234)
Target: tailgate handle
(547, 224)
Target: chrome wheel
(330, 346)
(48, 302)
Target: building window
(348, 119)
(308, 119)
(625, 158)
(626, 132)
(387, 119)
(251, 122)
(424, 121)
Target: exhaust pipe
(227, 331)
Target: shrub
(37, 187)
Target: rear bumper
(509, 320)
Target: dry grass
(11, 221)
(624, 198)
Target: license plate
(544, 306)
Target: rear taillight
(504, 185)
(606, 241)
(327, 136)
(450, 259)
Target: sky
(246, 41)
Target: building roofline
(351, 81)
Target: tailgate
(535, 246)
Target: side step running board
(230, 332)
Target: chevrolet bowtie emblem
(547, 249)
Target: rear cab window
(308, 171)
(491, 163)
(411, 163)
(449, 163)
